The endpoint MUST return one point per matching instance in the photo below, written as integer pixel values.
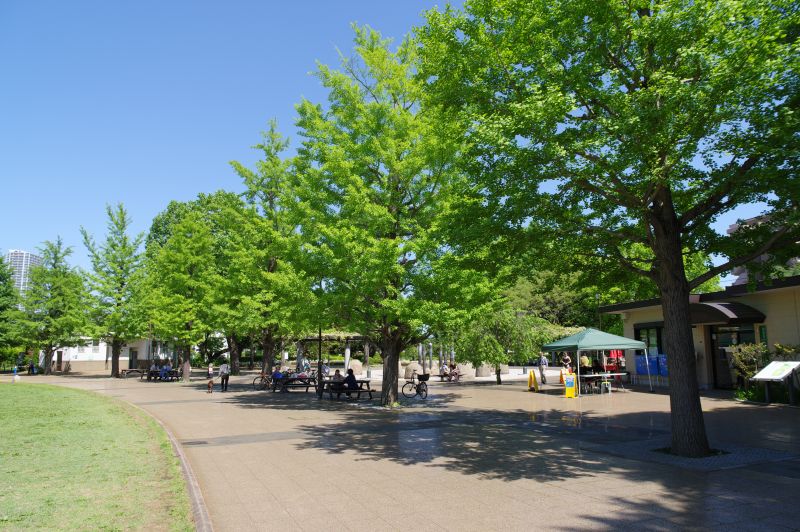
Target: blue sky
(145, 102)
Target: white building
(21, 263)
(94, 356)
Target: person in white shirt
(224, 375)
(543, 368)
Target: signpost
(778, 371)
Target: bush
(786, 352)
(748, 359)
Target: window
(651, 336)
(95, 346)
(762, 334)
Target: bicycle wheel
(422, 390)
(409, 390)
(261, 383)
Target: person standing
(210, 370)
(224, 375)
(542, 368)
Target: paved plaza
(474, 456)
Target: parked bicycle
(416, 386)
(262, 381)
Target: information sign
(776, 371)
(570, 385)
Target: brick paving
(471, 457)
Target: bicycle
(262, 382)
(412, 388)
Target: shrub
(748, 359)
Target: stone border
(202, 521)
(735, 456)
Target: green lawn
(76, 460)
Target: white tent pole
(578, 365)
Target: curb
(202, 521)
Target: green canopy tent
(591, 340)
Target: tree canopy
(374, 175)
(9, 313)
(113, 283)
(598, 126)
(55, 306)
(181, 280)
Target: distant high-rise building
(21, 263)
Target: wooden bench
(339, 388)
(287, 383)
(128, 372)
(173, 375)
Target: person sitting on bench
(350, 382)
(444, 372)
(165, 369)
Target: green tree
(267, 273)
(112, 283)
(224, 212)
(181, 283)
(9, 313)
(497, 336)
(373, 179)
(608, 124)
(55, 309)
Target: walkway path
(473, 457)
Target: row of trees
(589, 142)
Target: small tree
(747, 360)
(112, 282)
(55, 307)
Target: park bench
(338, 388)
(287, 383)
(134, 371)
(173, 375)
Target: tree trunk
(267, 346)
(497, 373)
(688, 427)
(116, 349)
(187, 364)
(48, 361)
(390, 352)
(235, 352)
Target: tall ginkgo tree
(266, 271)
(116, 264)
(374, 177)
(181, 285)
(55, 307)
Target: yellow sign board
(570, 385)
